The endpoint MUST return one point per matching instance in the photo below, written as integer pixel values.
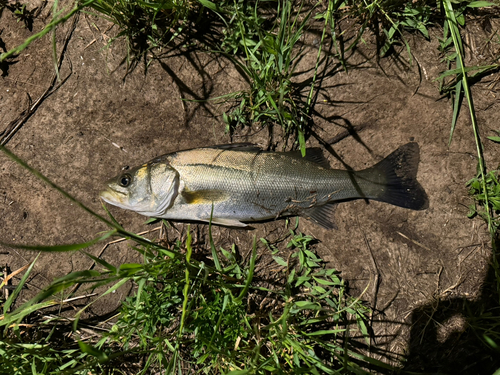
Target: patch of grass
(187, 315)
(391, 18)
(489, 197)
(455, 82)
(485, 187)
(145, 24)
(270, 58)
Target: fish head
(149, 189)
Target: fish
(233, 185)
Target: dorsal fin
(314, 154)
(244, 146)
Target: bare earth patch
(414, 269)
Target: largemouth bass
(235, 184)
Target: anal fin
(322, 215)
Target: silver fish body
(232, 185)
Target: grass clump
(270, 57)
(146, 24)
(489, 197)
(389, 19)
(188, 315)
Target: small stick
(5, 281)
(415, 242)
(10, 276)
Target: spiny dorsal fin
(314, 154)
(322, 215)
(244, 146)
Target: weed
(186, 314)
(145, 25)
(20, 12)
(412, 17)
(270, 59)
(490, 198)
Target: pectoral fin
(203, 196)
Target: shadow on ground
(447, 336)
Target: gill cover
(149, 190)
(164, 182)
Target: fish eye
(125, 180)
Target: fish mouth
(112, 197)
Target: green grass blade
(102, 262)
(250, 272)
(112, 289)
(187, 282)
(479, 68)
(53, 185)
(218, 267)
(22, 312)
(457, 41)
(118, 228)
(61, 248)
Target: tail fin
(396, 178)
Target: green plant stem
(250, 272)
(313, 83)
(455, 34)
(187, 279)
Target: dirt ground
(426, 263)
